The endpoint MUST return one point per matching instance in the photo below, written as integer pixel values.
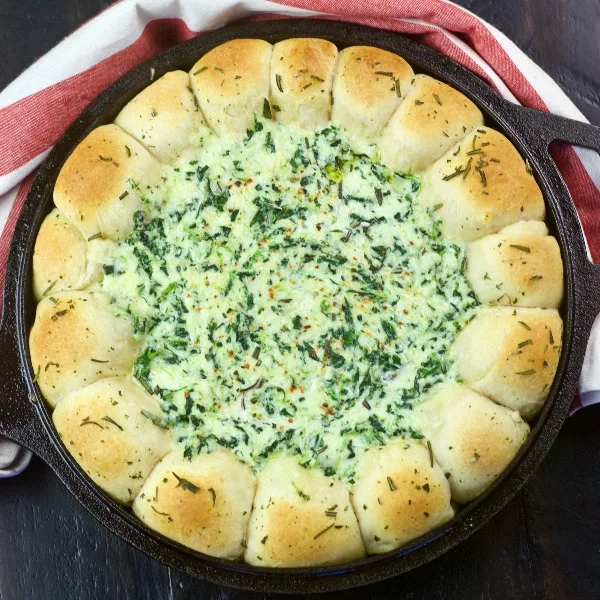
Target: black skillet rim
(529, 133)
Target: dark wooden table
(544, 545)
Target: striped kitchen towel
(39, 105)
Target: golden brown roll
(510, 355)
(430, 120)
(101, 184)
(400, 494)
(164, 116)
(367, 87)
(110, 429)
(231, 83)
(480, 186)
(301, 80)
(473, 439)
(203, 503)
(517, 269)
(60, 258)
(77, 340)
(301, 518)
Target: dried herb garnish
(94, 237)
(525, 325)
(521, 248)
(430, 450)
(267, 114)
(212, 492)
(419, 102)
(124, 195)
(524, 343)
(366, 404)
(323, 531)
(391, 484)
(278, 82)
(154, 419)
(185, 484)
(200, 70)
(111, 421)
(49, 287)
(97, 360)
(162, 514)
(551, 337)
(379, 196)
(300, 493)
(397, 87)
(528, 372)
(384, 73)
(87, 421)
(437, 99)
(255, 386)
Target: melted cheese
(293, 297)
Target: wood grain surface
(544, 545)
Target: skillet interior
(524, 128)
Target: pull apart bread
(93, 364)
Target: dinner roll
(60, 258)
(77, 340)
(110, 429)
(510, 355)
(431, 118)
(516, 269)
(480, 186)
(101, 183)
(164, 116)
(472, 438)
(367, 87)
(203, 503)
(231, 83)
(532, 228)
(400, 494)
(301, 519)
(301, 78)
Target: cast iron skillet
(25, 418)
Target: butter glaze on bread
(60, 258)
(473, 439)
(516, 269)
(480, 186)
(77, 340)
(164, 117)
(104, 426)
(231, 83)
(301, 519)
(203, 503)
(430, 120)
(367, 87)
(399, 495)
(303, 69)
(97, 188)
(510, 355)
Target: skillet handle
(553, 128)
(548, 128)
(19, 420)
